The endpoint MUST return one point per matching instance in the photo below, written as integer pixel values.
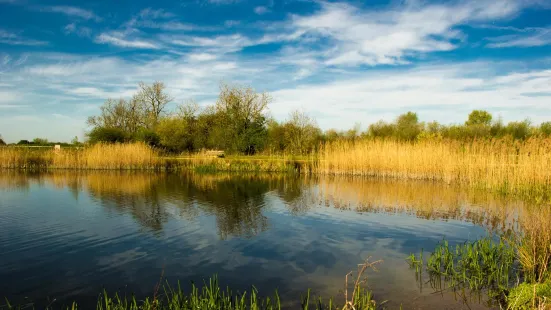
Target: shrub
(148, 137)
(107, 135)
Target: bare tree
(153, 100)
(301, 132)
(122, 114)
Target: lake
(66, 235)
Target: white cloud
(80, 31)
(152, 13)
(393, 35)
(202, 57)
(261, 10)
(120, 39)
(443, 93)
(73, 11)
(11, 38)
(529, 37)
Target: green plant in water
(212, 297)
(483, 265)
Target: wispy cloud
(73, 11)
(12, 38)
(121, 39)
(80, 31)
(161, 19)
(223, 1)
(393, 35)
(528, 37)
(261, 10)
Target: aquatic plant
(212, 297)
(482, 265)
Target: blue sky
(342, 62)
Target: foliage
(479, 118)
(148, 137)
(175, 134)
(407, 126)
(2, 143)
(40, 141)
(545, 128)
(107, 135)
(301, 133)
(238, 123)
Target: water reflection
(237, 201)
(109, 229)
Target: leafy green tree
(40, 141)
(107, 135)
(518, 130)
(275, 137)
(148, 137)
(479, 117)
(407, 126)
(241, 119)
(23, 142)
(175, 135)
(545, 129)
(2, 142)
(382, 129)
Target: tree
(479, 117)
(153, 99)
(40, 141)
(545, 128)
(2, 142)
(122, 114)
(241, 114)
(23, 142)
(382, 129)
(107, 135)
(175, 135)
(302, 133)
(518, 130)
(407, 126)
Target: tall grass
(505, 165)
(98, 156)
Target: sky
(341, 62)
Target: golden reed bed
(504, 165)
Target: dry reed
(505, 165)
(99, 156)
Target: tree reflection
(239, 202)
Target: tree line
(239, 122)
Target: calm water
(65, 236)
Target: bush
(148, 137)
(545, 128)
(107, 135)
